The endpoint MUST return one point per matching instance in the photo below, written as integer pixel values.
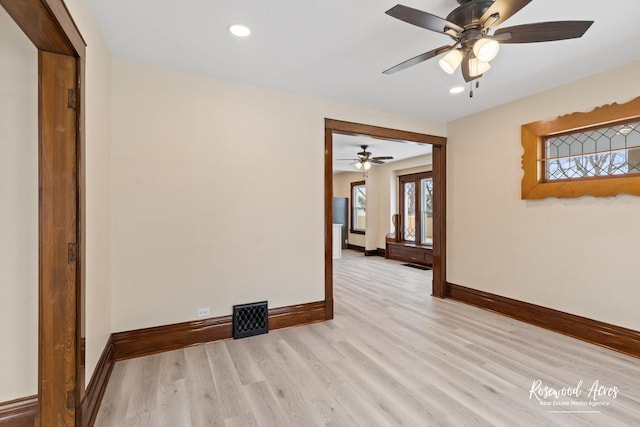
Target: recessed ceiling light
(457, 89)
(239, 30)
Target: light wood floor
(392, 356)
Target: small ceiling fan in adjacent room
(365, 159)
(470, 26)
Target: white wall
(18, 212)
(98, 194)
(217, 194)
(575, 255)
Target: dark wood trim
(19, 412)
(603, 334)
(48, 24)
(416, 176)
(328, 222)
(58, 218)
(142, 342)
(98, 384)
(439, 264)
(352, 230)
(350, 128)
(410, 252)
(50, 27)
(295, 315)
(439, 197)
(355, 247)
(375, 252)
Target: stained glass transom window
(602, 152)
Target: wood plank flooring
(393, 356)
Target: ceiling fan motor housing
(364, 154)
(468, 14)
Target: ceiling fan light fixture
(359, 165)
(367, 165)
(451, 61)
(486, 49)
(477, 68)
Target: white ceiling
(337, 49)
(347, 147)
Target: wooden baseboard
(367, 252)
(604, 334)
(294, 315)
(19, 412)
(146, 341)
(98, 384)
(375, 252)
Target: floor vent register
(250, 319)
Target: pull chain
(471, 88)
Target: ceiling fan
(365, 160)
(469, 26)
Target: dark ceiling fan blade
(505, 10)
(417, 59)
(422, 19)
(545, 31)
(382, 158)
(353, 160)
(376, 161)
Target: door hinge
(71, 99)
(72, 252)
(71, 399)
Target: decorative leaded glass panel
(606, 151)
(410, 211)
(426, 210)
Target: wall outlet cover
(203, 312)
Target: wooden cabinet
(411, 253)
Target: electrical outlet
(203, 312)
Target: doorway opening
(438, 144)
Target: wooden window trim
(352, 229)
(416, 178)
(533, 135)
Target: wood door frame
(50, 27)
(439, 198)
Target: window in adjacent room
(358, 207)
(416, 207)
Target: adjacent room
(319, 213)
